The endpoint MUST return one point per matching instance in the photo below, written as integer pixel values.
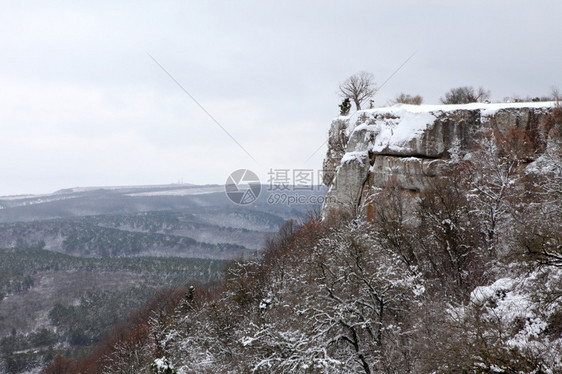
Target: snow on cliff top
(487, 108)
(394, 126)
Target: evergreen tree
(345, 107)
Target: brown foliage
(133, 335)
(61, 365)
(465, 95)
(517, 145)
(407, 99)
(552, 123)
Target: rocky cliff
(411, 143)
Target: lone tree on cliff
(359, 87)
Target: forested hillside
(53, 304)
(464, 276)
(77, 263)
(143, 234)
(177, 220)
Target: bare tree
(359, 87)
(493, 177)
(465, 95)
(555, 93)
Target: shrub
(407, 99)
(465, 95)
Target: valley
(76, 263)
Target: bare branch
(359, 87)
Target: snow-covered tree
(363, 291)
(449, 238)
(494, 175)
(511, 325)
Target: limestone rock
(411, 143)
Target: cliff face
(411, 143)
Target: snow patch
(359, 156)
(486, 109)
(162, 365)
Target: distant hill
(166, 220)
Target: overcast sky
(83, 104)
